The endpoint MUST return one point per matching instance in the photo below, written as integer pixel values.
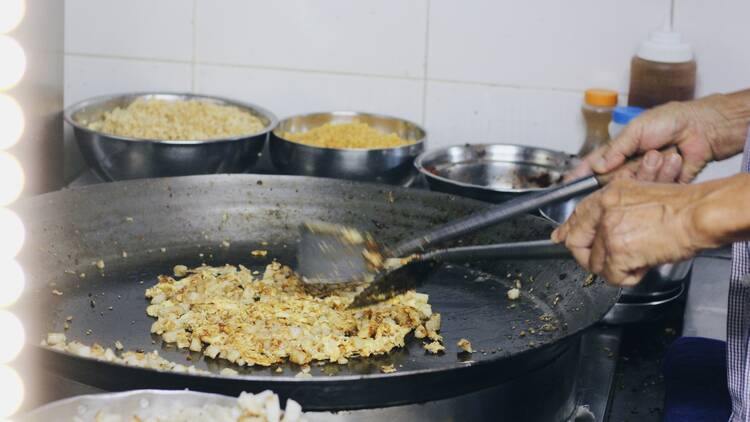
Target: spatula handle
(495, 214)
(537, 249)
(514, 207)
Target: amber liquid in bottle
(656, 83)
(597, 127)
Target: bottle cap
(665, 46)
(624, 114)
(601, 97)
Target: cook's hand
(703, 130)
(629, 226)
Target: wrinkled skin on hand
(702, 131)
(629, 226)
(633, 223)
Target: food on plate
(177, 120)
(465, 345)
(151, 360)
(261, 407)
(347, 135)
(230, 313)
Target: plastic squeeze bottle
(597, 112)
(662, 70)
(621, 116)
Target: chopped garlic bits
(261, 407)
(465, 345)
(152, 360)
(514, 293)
(227, 312)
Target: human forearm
(630, 226)
(722, 214)
(726, 118)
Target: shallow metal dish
(119, 158)
(387, 165)
(492, 172)
(144, 402)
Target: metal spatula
(327, 254)
(331, 257)
(393, 281)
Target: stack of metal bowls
(385, 165)
(115, 157)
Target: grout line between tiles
(510, 86)
(127, 58)
(312, 71)
(330, 72)
(426, 58)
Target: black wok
(194, 219)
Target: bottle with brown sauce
(597, 113)
(662, 70)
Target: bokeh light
(11, 178)
(13, 234)
(13, 336)
(13, 61)
(11, 14)
(12, 121)
(12, 282)
(12, 388)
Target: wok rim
(272, 381)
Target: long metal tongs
(336, 254)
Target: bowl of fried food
(347, 145)
(141, 135)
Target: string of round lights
(12, 124)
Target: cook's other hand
(704, 130)
(630, 226)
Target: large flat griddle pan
(191, 220)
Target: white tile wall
(542, 43)
(386, 37)
(292, 92)
(720, 33)
(89, 76)
(457, 113)
(159, 30)
(475, 70)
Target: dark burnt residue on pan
(543, 179)
(378, 224)
(432, 170)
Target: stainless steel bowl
(386, 165)
(492, 172)
(145, 403)
(118, 158)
